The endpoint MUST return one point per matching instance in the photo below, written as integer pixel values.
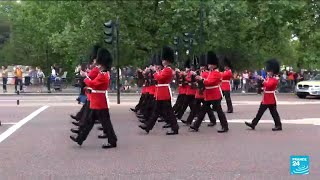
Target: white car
(309, 88)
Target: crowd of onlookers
(243, 81)
(24, 76)
(247, 81)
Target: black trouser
(139, 105)
(104, 117)
(196, 109)
(274, 113)
(179, 104)
(226, 94)
(164, 109)
(145, 103)
(85, 114)
(4, 83)
(83, 108)
(49, 83)
(188, 100)
(149, 107)
(207, 107)
(18, 81)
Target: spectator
(40, 76)
(18, 78)
(245, 81)
(4, 75)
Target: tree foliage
(247, 31)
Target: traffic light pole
(118, 66)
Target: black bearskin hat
(168, 54)
(158, 60)
(93, 54)
(203, 60)
(227, 62)
(104, 58)
(187, 64)
(273, 65)
(212, 58)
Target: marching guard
(190, 91)
(99, 104)
(81, 116)
(163, 95)
(199, 97)
(225, 84)
(269, 100)
(212, 94)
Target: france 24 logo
(299, 165)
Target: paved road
(34, 143)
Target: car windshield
(317, 77)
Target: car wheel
(302, 96)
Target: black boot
(109, 145)
(277, 128)
(75, 139)
(100, 128)
(102, 136)
(133, 110)
(166, 126)
(223, 130)
(250, 125)
(186, 122)
(74, 117)
(75, 130)
(144, 127)
(194, 129)
(211, 124)
(172, 132)
(75, 123)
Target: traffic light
(187, 39)
(109, 32)
(176, 40)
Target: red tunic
(143, 90)
(212, 84)
(226, 77)
(101, 84)
(190, 91)
(93, 73)
(269, 85)
(182, 89)
(152, 89)
(204, 75)
(164, 78)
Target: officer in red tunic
(82, 114)
(190, 91)
(99, 102)
(212, 94)
(182, 90)
(140, 79)
(269, 100)
(225, 84)
(199, 97)
(163, 95)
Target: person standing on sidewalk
(18, 78)
(4, 74)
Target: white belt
(269, 91)
(212, 87)
(98, 91)
(163, 85)
(180, 84)
(225, 81)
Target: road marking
(310, 121)
(8, 123)
(18, 125)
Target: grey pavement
(41, 148)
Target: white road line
(18, 125)
(8, 123)
(311, 121)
